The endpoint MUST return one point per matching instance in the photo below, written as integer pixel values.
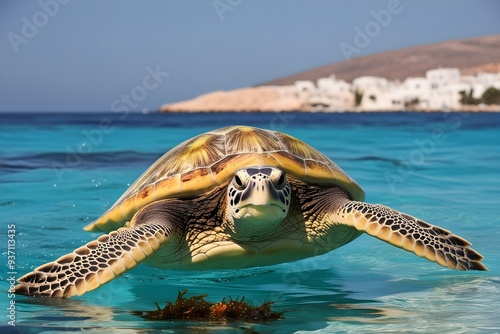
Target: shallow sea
(59, 172)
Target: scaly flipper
(96, 263)
(414, 235)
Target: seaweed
(198, 309)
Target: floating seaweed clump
(197, 308)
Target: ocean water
(58, 172)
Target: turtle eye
(281, 181)
(238, 182)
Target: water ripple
(118, 159)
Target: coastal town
(440, 89)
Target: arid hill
(480, 54)
(241, 100)
(410, 62)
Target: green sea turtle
(238, 197)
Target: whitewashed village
(440, 89)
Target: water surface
(58, 172)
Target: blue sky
(75, 55)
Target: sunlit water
(58, 172)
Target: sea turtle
(237, 197)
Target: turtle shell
(211, 159)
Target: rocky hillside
(410, 62)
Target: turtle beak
(267, 212)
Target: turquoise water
(59, 172)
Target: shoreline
(267, 99)
(493, 109)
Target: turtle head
(258, 201)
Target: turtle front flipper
(95, 263)
(412, 234)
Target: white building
(375, 92)
(445, 88)
(305, 88)
(416, 92)
(332, 95)
(480, 82)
